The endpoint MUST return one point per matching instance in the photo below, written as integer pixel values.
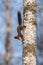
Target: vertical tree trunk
(8, 34)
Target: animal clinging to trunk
(20, 27)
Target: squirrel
(20, 27)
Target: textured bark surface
(30, 32)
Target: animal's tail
(19, 18)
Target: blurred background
(29, 55)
